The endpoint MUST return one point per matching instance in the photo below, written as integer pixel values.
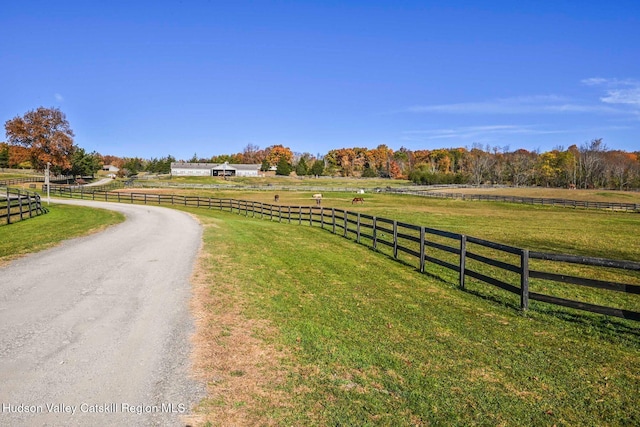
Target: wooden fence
(113, 185)
(17, 181)
(565, 203)
(466, 256)
(16, 205)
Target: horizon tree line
(44, 136)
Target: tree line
(44, 136)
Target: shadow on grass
(493, 298)
(609, 328)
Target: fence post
(29, 205)
(346, 224)
(524, 280)
(299, 215)
(463, 259)
(422, 246)
(322, 218)
(310, 217)
(358, 229)
(395, 239)
(8, 207)
(375, 234)
(20, 204)
(333, 219)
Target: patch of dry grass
(241, 370)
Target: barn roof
(185, 165)
(214, 166)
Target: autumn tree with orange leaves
(46, 134)
(276, 152)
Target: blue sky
(148, 79)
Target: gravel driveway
(96, 331)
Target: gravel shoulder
(97, 330)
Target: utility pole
(46, 183)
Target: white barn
(110, 168)
(213, 169)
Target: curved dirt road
(96, 331)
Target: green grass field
(368, 341)
(44, 231)
(292, 181)
(562, 230)
(4, 176)
(606, 196)
(361, 339)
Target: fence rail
(565, 203)
(113, 185)
(18, 181)
(492, 261)
(17, 205)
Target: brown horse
(357, 200)
(276, 198)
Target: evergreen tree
(317, 168)
(83, 163)
(283, 168)
(302, 168)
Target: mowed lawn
(584, 232)
(589, 232)
(44, 231)
(297, 326)
(343, 335)
(605, 196)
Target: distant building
(110, 168)
(213, 169)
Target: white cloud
(464, 132)
(617, 91)
(623, 96)
(541, 104)
(594, 81)
(490, 132)
(58, 97)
